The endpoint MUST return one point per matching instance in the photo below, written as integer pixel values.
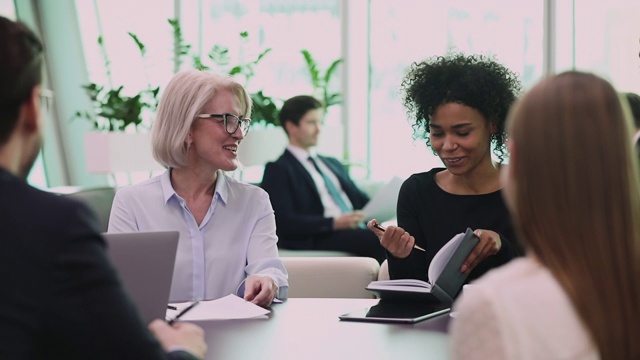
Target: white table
(310, 329)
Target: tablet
(398, 312)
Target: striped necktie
(331, 187)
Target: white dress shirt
(331, 208)
(518, 311)
(236, 238)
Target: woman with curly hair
(459, 105)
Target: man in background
(61, 297)
(315, 201)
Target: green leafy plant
(265, 108)
(321, 81)
(114, 111)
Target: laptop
(145, 261)
(398, 312)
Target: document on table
(226, 308)
(382, 206)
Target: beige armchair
(330, 277)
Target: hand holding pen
(397, 241)
(182, 312)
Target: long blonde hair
(577, 202)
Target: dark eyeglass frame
(229, 126)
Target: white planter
(261, 146)
(119, 152)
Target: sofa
(330, 277)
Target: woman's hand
(260, 289)
(397, 241)
(488, 245)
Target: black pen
(171, 307)
(380, 227)
(183, 311)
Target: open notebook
(445, 277)
(144, 262)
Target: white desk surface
(305, 329)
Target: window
(602, 37)
(413, 30)
(8, 9)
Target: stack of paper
(383, 205)
(226, 308)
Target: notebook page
(442, 257)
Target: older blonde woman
(227, 228)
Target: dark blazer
(61, 298)
(296, 201)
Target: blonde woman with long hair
(572, 190)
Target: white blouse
(518, 311)
(236, 238)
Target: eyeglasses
(231, 122)
(46, 98)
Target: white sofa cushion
(330, 277)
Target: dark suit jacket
(61, 298)
(295, 199)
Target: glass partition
(413, 30)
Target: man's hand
(181, 335)
(348, 221)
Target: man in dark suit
(61, 298)
(315, 201)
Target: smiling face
(461, 136)
(211, 146)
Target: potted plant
(119, 129)
(320, 81)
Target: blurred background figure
(61, 296)
(571, 187)
(316, 202)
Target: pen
(380, 227)
(171, 307)
(183, 311)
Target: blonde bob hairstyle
(182, 100)
(576, 201)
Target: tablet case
(388, 311)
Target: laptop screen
(144, 262)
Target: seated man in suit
(315, 201)
(61, 298)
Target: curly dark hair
(476, 81)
